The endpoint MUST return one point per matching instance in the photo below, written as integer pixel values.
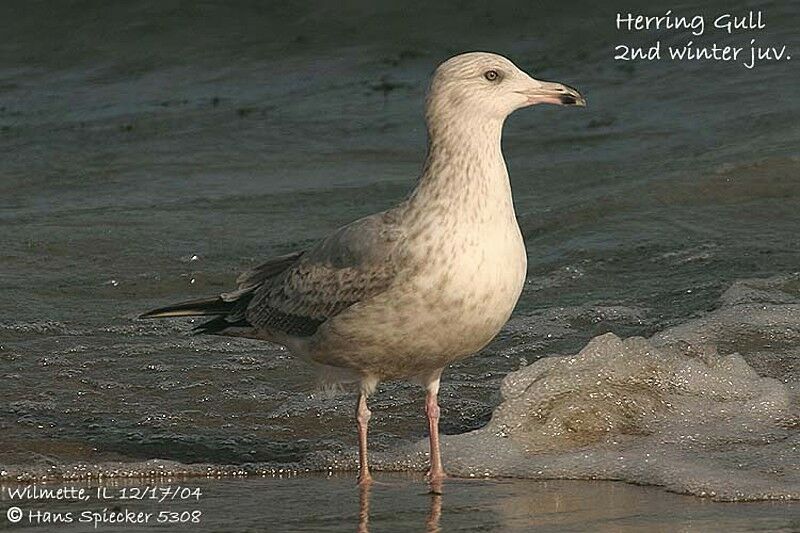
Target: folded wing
(356, 263)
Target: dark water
(149, 151)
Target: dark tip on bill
(567, 99)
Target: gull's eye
(491, 75)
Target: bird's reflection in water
(434, 513)
(363, 507)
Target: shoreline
(160, 471)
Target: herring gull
(403, 293)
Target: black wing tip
(218, 325)
(201, 307)
(154, 313)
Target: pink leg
(436, 473)
(362, 419)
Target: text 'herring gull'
(403, 293)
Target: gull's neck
(464, 171)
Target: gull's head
(489, 85)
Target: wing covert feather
(353, 264)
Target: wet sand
(400, 502)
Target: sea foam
(684, 409)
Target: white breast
(478, 285)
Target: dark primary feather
(296, 293)
(228, 307)
(200, 307)
(218, 325)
